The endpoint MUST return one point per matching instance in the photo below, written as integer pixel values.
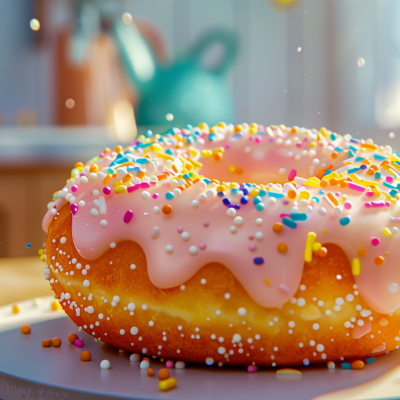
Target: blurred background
(79, 75)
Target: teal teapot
(186, 89)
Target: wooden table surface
(22, 279)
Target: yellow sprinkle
(15, 309)
(312, 183)
(55, 305)
(41, 252)
(43, 258)
(232, 168)
(254, 192)
(267, 281)
(313, 144)
(164, 156)
(355, 267)
(120, 189)
(167, 384)
(304, 195)
(316, 247)
(253, 130)
(309, 246)
(218, 150)
(221, 188)
(324, 230)
(193, 152)
(206, 153)
(387, 232)
(203, 125)
(117, 183)
(195, 163)
(288, 372)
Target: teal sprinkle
(169, 195)
(190, 139)
(327, 172)
(396, 152)
(262, 193)
(144, 145)
(379, 157)
(359, 159)
(275, 194)
(110, 170)
(344, 221)
(338, 149)
(397, 163)
(257, 200)
(316, 199)
(261, 132)
(333, 136)
(207, 181)
(353, 148)
(289, 222)
(169, 151)
(234, 190)
(56, 196)
(370, 360)
(345, 365)
(351, 154)
(211, 137)
(260, 206)
(186, 176)
(149, 133)
(142, 161)
(170, 131)
(119, 160)
(389, 185)
(377, 175)
(298, 216)
(393, 192)
(353, 170)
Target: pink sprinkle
(227, 146)
(388, 203)
(128, 216)
(370, 193)
(206, 223)
(258, 140)
(82, 174)
(155, 196)
(368, 205)
(74, 208)
(169, 364)
(133, 188)
(251, 368)
(389, 179)
(101, 155)
(283, 215)
(107, 190)
(252, 247)
(284, 288)
(153, 183)
(261, 127)
(78, 343)
(338, 194)
(250, 137)
(251, 237)
(74, 188)
(355, 186)
(202, 246)
(144, 185)
(347, 205)
(375, 241)
(298, 144)
(180, 229)
(292, 175)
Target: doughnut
(232, 246)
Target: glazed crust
(198, 321)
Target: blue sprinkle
(262, 193)
(359, 159)
(211, 137)
(327, 172)
(260, 206)
(257, 200)
(316, 199)
(338, 149)
(363, 166)
(353, 148)
(379, 157)
(298, 216)
(306, 362)
(28, 245)
(149, 134)
(289, 222)
(244, 200)
(370, 360)
(275, 194)
(169, 195)
(352, 170)
(258, 260)
(354, 141)
(261, 132)
(220, 194)
(207, 181)
(344, 221)
(245, 191)
(234, 190)
(236, 207)
(321, 191)
(169, 131)
(188, 126)
(142, 161)
(169, 151)
(345, 365)
(226, 201)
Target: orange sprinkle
(163, 374)
(370, 171)
(56, 342)
(334, 155)
(26, 329)
(146, 359)
(72, 337)
(106, 150)
(324, 183)
(379, 260)
(217, 156)
(282, 248)
(15, 309)
(333, 199)
(86, 356)
(79, 164)
(118, 148)
(46, 343)
(174, 168)
(127, 178)
(291, 194)
(166, 209)
(277, 227)
(362, 252)
(150, 371)
(114, 175)
(358, 364)
(322, 252)
(239, 171)
(267, 281)
(94, 168)
(383, 321)
(107, 179)
(333, 182)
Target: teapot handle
(227, 39)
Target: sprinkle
(344, 221)
(292, 175)
(167, 384)
(345, 365)
(169, 248)
(106, 190)
(145, 195)
(258, 260)
(195, 203)
(375, 241)
(231, 212)
(355, 267)
(277, 227)
(206, 224)
(282, 248)
(355, 186)
(193, 250)
(46, 343)
(179, 365)
(252, 368)
(362, 252)
(379, 260)
(163, 374)
(288, 372)
(289, 223)
(298, 216)
(393, 287)
(267, 281)
(105, 364)
(166, 209)
(74, 208)
(387, 232)
(311, 237)
(26, 329)
(128, 216)
(242, 311)
(103, 223)
(78, 343)
(284, 288)
(154, 232)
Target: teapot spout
(137, 56)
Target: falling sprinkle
(360, 62)
(169, 117)
(126, 18)
(299, 49)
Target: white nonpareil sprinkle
(134, 330)
(105, 364)
(144, 364)
(193, 250)
(112, 245)
(195, 203)
(157, 210)
(133, 266)
(259, 235)
(169, 248)
(315, 326)
(103, 223)
(237, 338)
(145, 195)
(95, 192)
(135, 357)
(233, 229)
(63, 240)
(131, 306)
(86, 283)
(94, 212)
(90, 310)
(231, 212)
(185, 235)
(221, 350)
(122, 332)
(238, 220)
(242, 311)
(393, 287)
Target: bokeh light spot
(392, 135)
(34, 24)
(169, 117)
(299, 49)
(70, 103)
(126, 18)
(360, 62)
